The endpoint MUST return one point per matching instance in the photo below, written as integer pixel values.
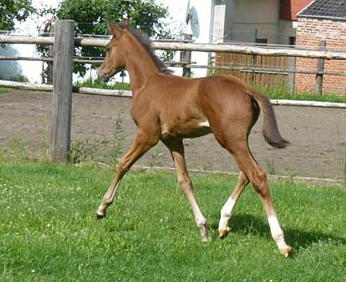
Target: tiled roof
(326, 9)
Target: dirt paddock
(317, 135)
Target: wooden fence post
(185, 57)
(320, 69)
(254, 58)
(62, 90)
(292, 75)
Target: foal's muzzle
(105, 76)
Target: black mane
(144, 40)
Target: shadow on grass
(296, 238)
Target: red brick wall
(290, 8)
(309, 33)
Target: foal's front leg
(142, 143)
(176, 148)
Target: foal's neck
(139, 65)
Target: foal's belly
(186, 130)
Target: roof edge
(307, 6)
(321, 17)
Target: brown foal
(170, 108)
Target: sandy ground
(317, 135)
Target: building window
(262, 41)
(292, 40)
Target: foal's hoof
(286, 251)
(100, 215)
(203, 230)
(223, 232)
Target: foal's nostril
(100, 75)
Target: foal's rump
(226, 100)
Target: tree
(91, 17)
(14, 10)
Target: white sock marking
(276, 231)
(226, 213)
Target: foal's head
(118, 46)
(114, 60)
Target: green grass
(95, 83)
(4, 90)
(282, 93)
(48, 231)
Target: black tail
(270, 129)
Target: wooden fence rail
(199, 47)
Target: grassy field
(103, 85)
(48, 231)
(285, 94)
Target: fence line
(256, 72)
(187, 64)
(186, 47)
(265, 70)
(85, 60)
(178, 46)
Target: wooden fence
(64, 43)
(265, 71)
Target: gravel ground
(317, 135)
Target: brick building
(322, 20)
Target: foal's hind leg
(259, 181)
(142, 143)
(176, 148)
(240, 150)
(226, 210)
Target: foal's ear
(125, 24)
(113, 28)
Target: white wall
(249, 15)
(203, 8)
(287, 29)
(177, 11)
(241, 18)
